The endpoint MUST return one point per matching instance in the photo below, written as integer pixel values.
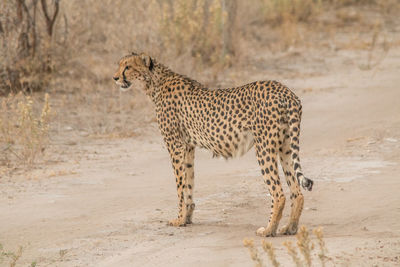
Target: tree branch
(50, 21)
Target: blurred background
(57, 57)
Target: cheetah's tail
(294, 114)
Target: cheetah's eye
(126, 68)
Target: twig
(50, 21)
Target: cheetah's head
(133, 68)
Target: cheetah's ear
(133, 53)
(146, 60)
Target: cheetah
(229, 122)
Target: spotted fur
(228, 122)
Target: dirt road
(107, 202)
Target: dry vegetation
(68, 50)
(24, 131)
(10, 257)
(27, 43)
(200, 29)
(301, 254)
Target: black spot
(296, 166)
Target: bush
(277, 12)
(304, 245)
(26, 40)
(23, 130)
(200, 28)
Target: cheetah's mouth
(125, 86)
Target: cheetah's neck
(160, 75)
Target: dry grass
(304, 246)
(201, 29)
(186, 34)
(291, 250)
(278, 12)
(24, 130)
(11, 257)
(321, 243)
(315, 23)
(29, 39)
(248, 243)
(269, 249)
(290, 18)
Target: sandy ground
(106, 202)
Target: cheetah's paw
(177, 222)
(289, 229)
(265, 232)
(189, 213)
(188, 220)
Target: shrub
(26, 41)
(277, 12)
(23, 130)
(304, 245)
(201, 28)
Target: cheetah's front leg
(189, 183)
(177, 152)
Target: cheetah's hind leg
(267, 155)
(290, 161)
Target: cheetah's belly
(228, 145)
(245, 143)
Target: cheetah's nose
(116, 78)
